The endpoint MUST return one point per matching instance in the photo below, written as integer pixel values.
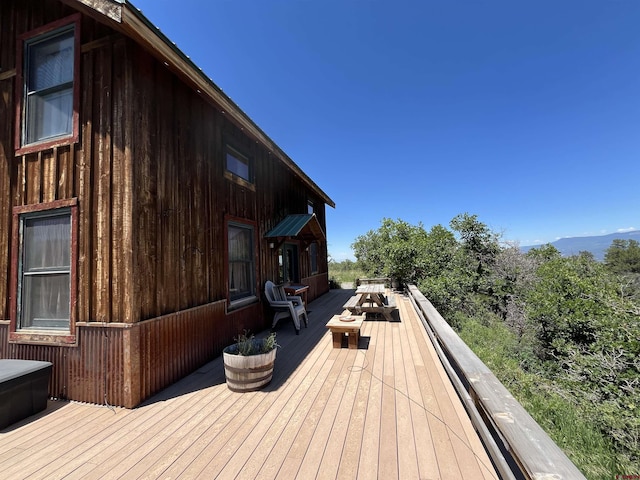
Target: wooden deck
(383, 411)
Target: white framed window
(47, 113)
(241, 261)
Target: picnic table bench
(352, 304)
(386, 281)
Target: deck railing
(517, 445)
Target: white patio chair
(285, 305)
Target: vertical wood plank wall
(148, 173)
(7, 173)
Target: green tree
(445, 282)
(544, 253)
(513, 274)
(566, 303)
(480, 245)
(395, 250)
(440, 251)
(589, 337)
(623, 256)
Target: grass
(339, 276)
(564, 421)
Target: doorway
(289, 263)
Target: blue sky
(525, 113)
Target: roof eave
(130, 20)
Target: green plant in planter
(249, 345)
(249, 363)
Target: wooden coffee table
(340, 328)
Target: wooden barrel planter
(247, 373)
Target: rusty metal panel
(176, 344)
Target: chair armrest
(278, 303)
(295, 299)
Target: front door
(289, 263)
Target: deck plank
(46, 455)
(420, 404)
(385, 410)
(338, 449)
(205, 446)
(141, 430)
(388, 444)
(408, 466)
(350, 457)
(369, 450)
(471, 457)
(268, 435)
(279, 460)
(302, 449)
(249, 462)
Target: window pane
(47, 243)
(46, 301)
(45, 293)
(238, 166)
(48, 102)
(240, 262)
(313, 254)
(50, 62)
(49, 115)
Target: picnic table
(371, 298)
(371, 293)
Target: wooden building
(141, 210)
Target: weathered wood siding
(317, 285)
(148, 173)
(94, 171)
(182, 197)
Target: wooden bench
(24, 389)
(364, 281)
(385, 310)
(340, 328)
(352, 304)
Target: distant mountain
(597, 245)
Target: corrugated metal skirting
(103, 369)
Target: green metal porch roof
(303, 226)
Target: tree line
(574, 320)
